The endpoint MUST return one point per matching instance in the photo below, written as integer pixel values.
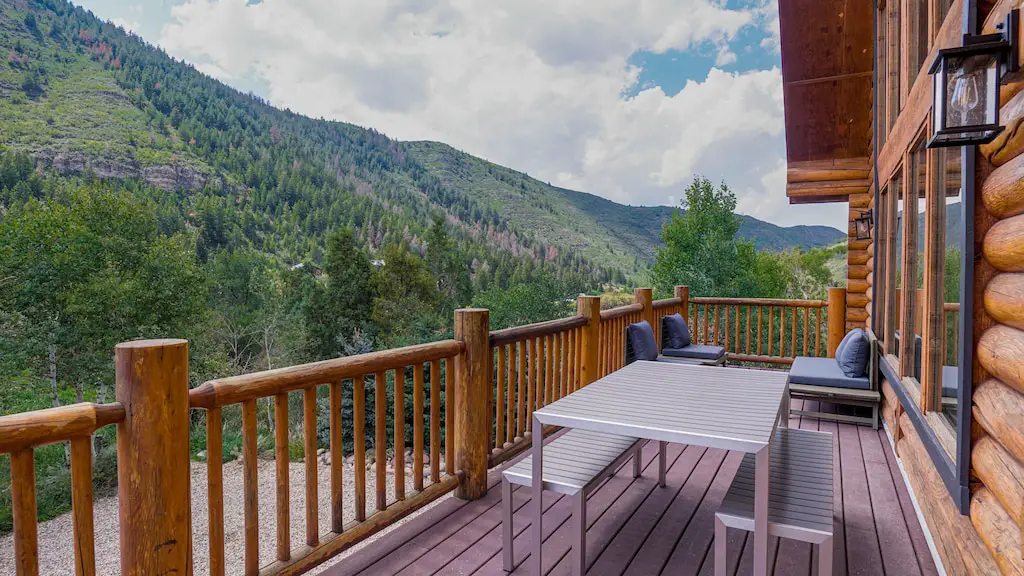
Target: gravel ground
(56, 551)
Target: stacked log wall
(859, 264)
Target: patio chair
(851, 378)
(642, 345)
(677, 343)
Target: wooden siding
(634, 527)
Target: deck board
(635, 527)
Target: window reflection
(949, 161)
(916, 205)
(893, 277)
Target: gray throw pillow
(641, 337)
(852, 354)
(678, 332)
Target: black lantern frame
(863, 224)
(1001, 51)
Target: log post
(836, 319)
(645, 296)
(590, 308)
(472, 417)
(153, 474)
(683, 293)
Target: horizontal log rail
(667, 303)
(20, 435)
(777, 302)
(237, 389)
(530, 331)
(38, 428)
(621, 311)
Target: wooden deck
(634, 527)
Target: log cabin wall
(989, 539)
(997, 458)
(859, 263)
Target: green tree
(88, 272)
(702, 251)
(544, 298)
(446, 263)
(405, 306)
(700, 242)
(339, 309)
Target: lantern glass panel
(970, 85)
(863, 228)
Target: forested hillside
(604, 231)
(82, 96)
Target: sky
(627, 99)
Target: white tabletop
(718, 407)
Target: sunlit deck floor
(634, 527)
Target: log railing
(479, 388)
(951, 333)
(763, 330)
(612, 350)
(425, 368)
(534, 365)
(20, 435)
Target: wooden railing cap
(155, 343)
(235, 389)
(42, 427)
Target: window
(892, 279)
(918, 36)
(881, 95)
(942, 273)
(941, 11)
(910, 296)
(893, 52)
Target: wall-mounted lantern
(863, 224)
(966, 86)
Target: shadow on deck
(634, 527)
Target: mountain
(85, 98)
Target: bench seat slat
(573, 460)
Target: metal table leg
(762, 469)
(536, 503)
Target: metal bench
(574, 463)
(799, 495)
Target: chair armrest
(874, 352)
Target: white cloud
(724, 56)
(537, 85)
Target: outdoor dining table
(728, 408)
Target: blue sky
(628, 99)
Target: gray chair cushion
(677, 333)
(824, 372)
(699, 351)
(641, 341)
(950, 381)
(852, 354)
